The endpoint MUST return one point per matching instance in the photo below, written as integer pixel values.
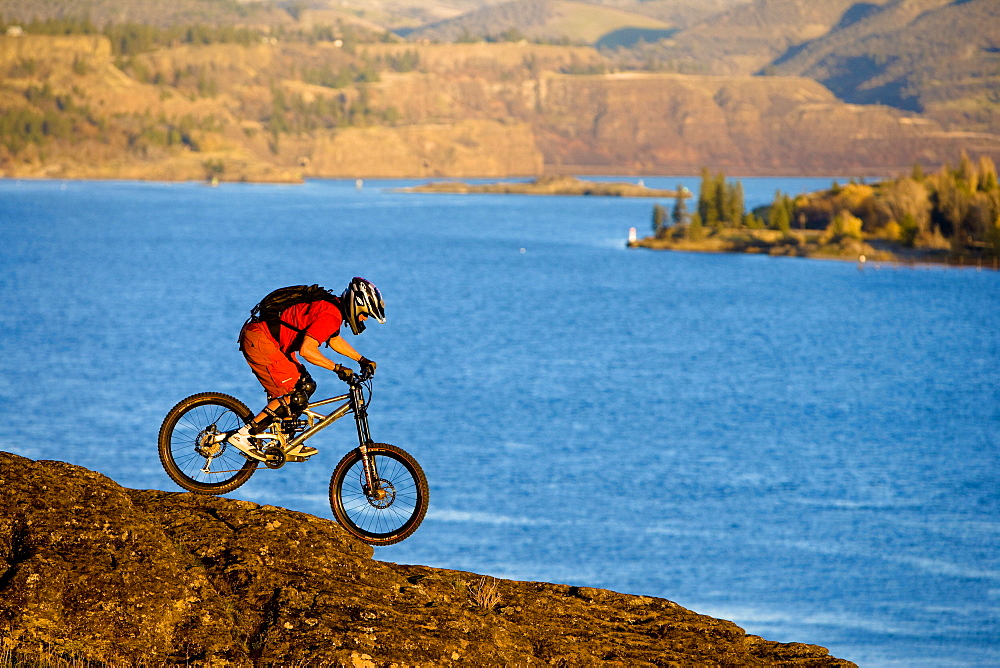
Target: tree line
(131, 39)
(956, 208)
(49, 115)
(720, 205)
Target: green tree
(680, 214)
(780, 215)
(907, 200)
(909, 230)
(967, 176)
(721, 192)
(993, 237)
(696, 231)
(987, 175)
(733, 203)
(950, 203)
(720, 204)
(659, 219)
(708, 209)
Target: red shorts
(274, 369)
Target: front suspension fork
(373, 485)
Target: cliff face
(465, 148)
(667, 123)
(766, 125)
(251, 113)
(93, 571)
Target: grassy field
(588, 23)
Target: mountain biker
(303, 327)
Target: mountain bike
(378, 492)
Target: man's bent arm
(310, 352)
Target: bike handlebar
(358, 378)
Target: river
(805, 448)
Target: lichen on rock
(96, 572)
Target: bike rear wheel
(382, 517)
(191, 451)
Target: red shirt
(319, 319)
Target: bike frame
(353, 402)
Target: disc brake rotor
(383, 497)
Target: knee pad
(297, 402)
(299, 399)
(306, 384)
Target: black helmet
(362, 298)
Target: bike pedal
(294, 458)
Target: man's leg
(288, 405)
(274, 410)
(278, 375)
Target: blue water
(801, 447)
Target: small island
(545, 185)
(951, 217)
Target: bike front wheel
(192, 449)
(390, 512)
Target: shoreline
(865, 253)
(545, 185)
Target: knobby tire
(179, 444)
(361, 515)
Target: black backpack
(271, 307)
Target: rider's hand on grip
(344, 373)
(367, 367)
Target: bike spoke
(191, 449)
(365, 513)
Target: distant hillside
(149, 12)
(749, 37)
(941, 57)
(383, 14)
(282, 110)
(679, 13)
(397, 15)
(286, 90)
(922, 55)
(401, 16)
(545, 20)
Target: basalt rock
(96, 573)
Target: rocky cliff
(93, 572)
(280, 111)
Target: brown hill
(932, 56)
(666, 123)
(680, 13)
(284, 110)
(149, 12)
(398, 15)
(93, 572)
(548, 20)
(747, 38)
